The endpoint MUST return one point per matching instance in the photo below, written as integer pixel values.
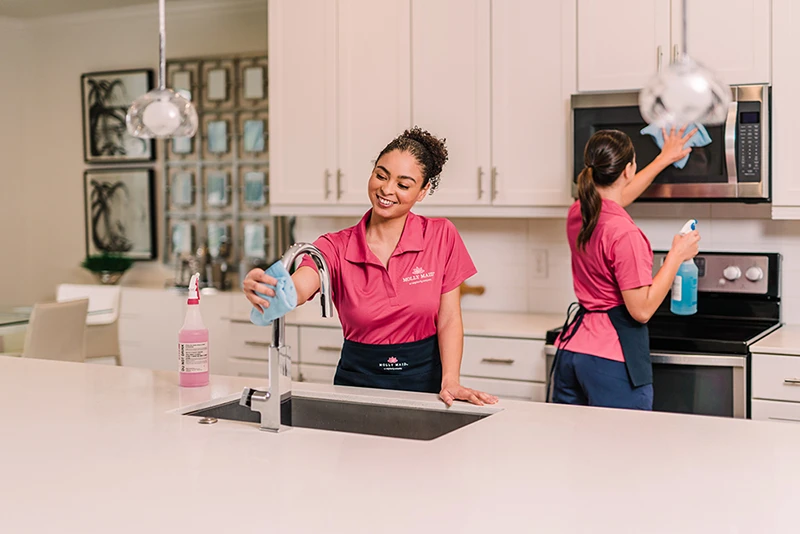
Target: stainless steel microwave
(734, 167)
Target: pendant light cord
(685, 51)
(162, 45)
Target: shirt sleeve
(632, 261)
(458, 264)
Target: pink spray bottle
(193, 341)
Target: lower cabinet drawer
(497, 357)
(319, 374)
(253, 368)
(320, 345)
(507, 389)
(763, 410)
(252, 342)
(776, 377)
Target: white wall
(49, 247)
(503, 250)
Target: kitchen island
(96, 449)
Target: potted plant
(108, 267)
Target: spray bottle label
(677, 288)
(193, 357)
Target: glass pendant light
(685, 92)
(162, 113)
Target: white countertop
(785, 340)
(476, 323)
(96, 449)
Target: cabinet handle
(659, 57)
(328, 348)
(327, 183)
(494, 183)
(502, 361)
(240, 321)
(791, 382)
(480, 183)
(675, 53)
(338, 184)
(258, 343)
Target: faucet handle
(249, 393)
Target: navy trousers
(593, 381)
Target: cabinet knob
(732, 273)
(754, 274)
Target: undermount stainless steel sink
(358, 418)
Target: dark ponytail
(607, 154)
(590, 206)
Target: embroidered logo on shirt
(393, 364)
(418, 276)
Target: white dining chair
(56, 331)
(102, 320)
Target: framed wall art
(119, 207)
(106, 98)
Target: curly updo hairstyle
(429, 151)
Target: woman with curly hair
(395, 278)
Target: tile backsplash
(524, 264)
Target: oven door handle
(707, 360)
(730, 144)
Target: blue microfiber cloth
(700, 138)
(284, 301)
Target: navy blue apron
(634, 338)
(414, 366)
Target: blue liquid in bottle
(684, 290)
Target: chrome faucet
(268, 403)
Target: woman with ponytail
(603, 356)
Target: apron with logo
(634, 338)
(415, 366)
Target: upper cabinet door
(302, 101)
(374, 87)
(730, 37)
(532, 77)
(450, 82)
(621, 43)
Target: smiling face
(396, 184)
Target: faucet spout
(268, 403)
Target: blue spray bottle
(684, 288)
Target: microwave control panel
(748, 133)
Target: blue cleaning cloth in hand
(284, 301)
(700, 138)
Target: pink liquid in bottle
(193, 343)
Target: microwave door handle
(730, 144)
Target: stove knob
(754, 274)
(732, 273)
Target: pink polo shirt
(618, 257)
(381, 306)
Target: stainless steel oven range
(701, 363)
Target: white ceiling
(27, 9)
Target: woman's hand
(452, 391)
(675, 148)
(258, 280)
(686, 247)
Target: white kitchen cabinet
(785, 111)
(765, 410)
(302, 122)
(373, 90)
(507, 389)
(731, 37)
(248, 349)
(623, 43)
(450, 92)
(532, 78)
(151, 318)
(339, 92)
